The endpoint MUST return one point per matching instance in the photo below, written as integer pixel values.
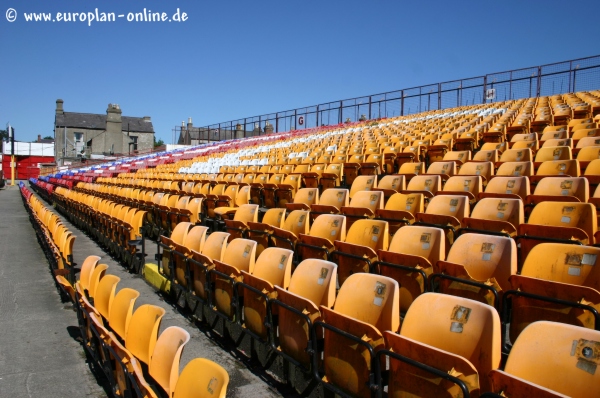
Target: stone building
(89, 135)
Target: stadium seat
(559, 283)
(477, 267)
(202, 376)
(457, 337)
(548, 360)
(366, 304)
(496, 216)
(409, 259)
(142, 332)
(121, 311)
(313, 284)
(319, 242)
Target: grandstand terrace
(450, 252)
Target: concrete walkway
(39, 356)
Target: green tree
(158, 143)
(48, 137)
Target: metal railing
(581, 74)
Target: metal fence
(581, 74)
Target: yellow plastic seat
(238, 226)
(359, 251)
(548, 360)
(362, 183)
(142, 332)
(556, 271)
(564, 221)
(297, 222)
(272, 267)
(411, 169)
(199, 267)
(319, 242)
(304, 198)
(332, 176)
(363, 205)
(560, 189)
(164, 363)
(409, 260)
(105, 294)
(313, 284)
(443, 169)
(391, 184)
(427, 184)
(457, 336)
(496, 215)
(121, 311)
(446, 212)
(239, 256)
(400, 209)
(202, 378)
(95, 278)
(483, 169)
(262, 232)
(516, 187)
(459, 157)
(483, 265)
(87, 268)
(366, 304)
(470, 186)
(516, 169)
(487, 156)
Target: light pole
(11, 137)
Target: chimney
(113, 141)
(147, 119)
(59, 107)
(189, 124)
(39, 138)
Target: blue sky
(233, 59)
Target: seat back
(500, 209)
(553, 153)
(240, 253)
(372, 299)
(105, 294)
(426, 242)
(566, 214)
(371, 200)
(412, 202)
(485, 257)
(472, 184)
(443, 168)
(315, 280)
(196, 238)
(449, 205)
(484, 169)
(369, 233)
(246, 213)
(95, 278)
(142, 332)
(362, 183)
(518, 185)
(215, 245)
(274, 265)
(570, 264)
(307, 196)
(297, 222)
(517, 155)
(164, 363)
(201, 375)
(121, 310)
(457, 325)
(393, 182)
(524, 168)
(429, 183)
(87, 268)
(335, 197)
(329, 226)
(557, 356)
(577, 187)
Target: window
(134, 141)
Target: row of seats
(55, 239)
(115, 226)
(124, 343)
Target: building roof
(93, 121)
